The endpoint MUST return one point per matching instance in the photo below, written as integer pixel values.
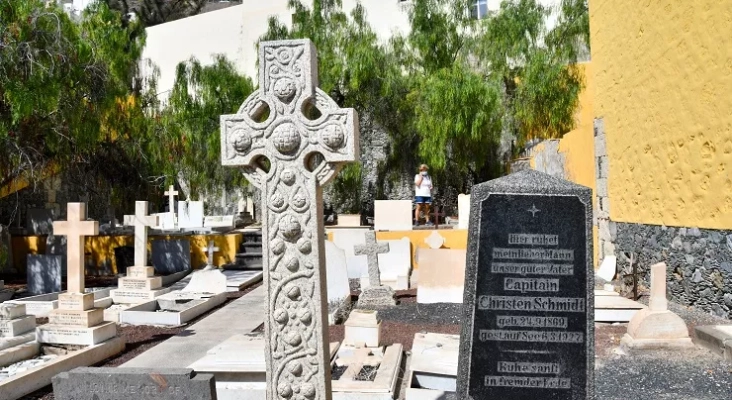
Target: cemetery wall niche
(699, 262)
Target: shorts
(423, 199)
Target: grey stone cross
(211, 249)
(371, 249)
(289, 153)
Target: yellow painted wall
(101, 248)
(578, 145)
(663, 78)
(454, 239)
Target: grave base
(111, 314)
(383, 387)
(6, 294)
(43, 304)
(655, 344)
(36, 378)
(61, 334)
(149, 314)
(376, 297)
(6, 343)
(122, 296)
(19, 353)
(239, 367)
(18, 326)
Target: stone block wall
(607, 230)
(699, 263)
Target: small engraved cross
(533, 210)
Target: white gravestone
(463, 211)
(339, 291)
(271, 124)
(394, 266)
(347, 239)
(393, 215)
(190, 214)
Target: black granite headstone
(133, 383)
(528, 330)
(171, 256)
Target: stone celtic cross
(141, 221)
(371, 249)
(75, 228)
(289, 153)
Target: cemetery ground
(621, 375)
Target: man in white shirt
(422, 194)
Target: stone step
(244, 247)
(253, 254)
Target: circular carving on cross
(241, 141)
(285, 89)
(333, 136)
(284, 390)
(286, 138)
(288, 177)
(290, 227)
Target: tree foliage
(453, 89)
(186, 143)
(62, 85)
(156, 12)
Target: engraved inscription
(504, 321)
(531, 336)
(533, 254)
(546, 304)
(141, 389)
(533, 239)
(532, 269)
(134, 284)
(510, 367)
(528, 382)
(524, 285)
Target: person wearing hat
(422, 193)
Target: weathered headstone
(133, 383)
(375, 295)
(171, 256)
(528, 328)
(339, 291)
(43, 273)
(303, 153)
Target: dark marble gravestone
(528, 304)
(171, 256)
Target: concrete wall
(664, 80)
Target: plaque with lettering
(528, 307)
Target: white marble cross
(75, 228)
(371, 249)
(141, 221)
(289, 155)
(211, 248)
(171, 193)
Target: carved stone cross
(141, 221)
(211, 249)
(75, 228)
(171, 193)
(371, 249)
(289, 151)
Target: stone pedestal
(76, 322)
(376, 297)
(363, 329)
(656, 327)
(16, 329)
(139, 286)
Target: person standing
(422, 193)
